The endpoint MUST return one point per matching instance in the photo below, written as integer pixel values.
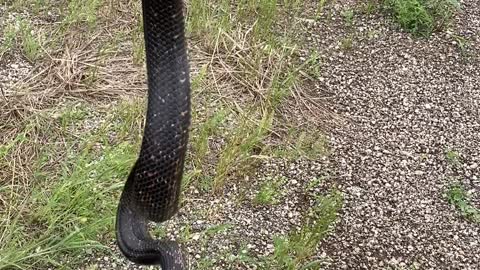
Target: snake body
(152, 189)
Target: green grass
(270, 191)
(458, 197)
(30, 41)
(295, 251)
(206, 130)
(9, 33)
(453, 157)
(21, 33)
(238, 152)
(82, 12)
(63, 218)
(348, 16)
(346, 43)
(422, 17)
(298, 143)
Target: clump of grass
(205, 131)
(63, 219)
(346, 43)
(82, 12)
(299, 143)
(313, 65)
(369, 6)
(453, 157)
(267, 13)
(295, 250)
(270, 191)
(30, 42)
(458, 197)
(72, 114)
(422, 17)
(9, 34)
(238, 151)
(348, 16)
(22, 33)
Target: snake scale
(152, 189)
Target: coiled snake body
(151, 192)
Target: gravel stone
(406, 101)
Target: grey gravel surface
(407, 102)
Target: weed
(270, 191)
(205, 131)
(346, 43)
(205, 263)
(70, 215)
(9, 34)
(422, 17)
(302, 144)
(72, 114)
(294, 251)
(463, 45)
(315, 182)
(320, 7)
(238, 151)
(412, 15)
(313, 65)
(30, 42)
(186, 233)
(159, 232)
(267, 13)
(458, 197)
(82, 12)
(199, 78)
(453, 157)
(348, 16)
(205, 183)
(442, 11)
(199, 19)
(369, 7)
(6, 148)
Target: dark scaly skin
(153, 186)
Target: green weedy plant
(458, 196)
(67, 218)
(412, 16)
(348, 16)
(83, 12)
(270, 191)
(442, 11)
(295, 250)
(9, 33)
(422, 17)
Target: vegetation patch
(422, 17)
(459, 197)
(295, 251)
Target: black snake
(152, 190)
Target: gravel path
(406, 102)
